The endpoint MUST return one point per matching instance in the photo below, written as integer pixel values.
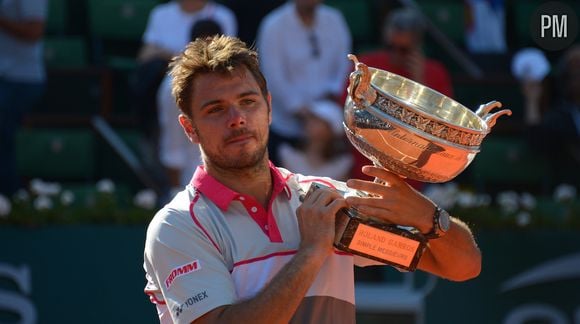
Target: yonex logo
(181, 270)
(190, 302)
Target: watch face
(444, 220)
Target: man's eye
(247, 102)
(214, 110)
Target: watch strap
(436, 231)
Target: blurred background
(89, 178)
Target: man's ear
(188, 128)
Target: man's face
(230, 119)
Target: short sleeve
(187, 275)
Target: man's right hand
(316, 218)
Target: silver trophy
(415, 132)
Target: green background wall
(93, 274)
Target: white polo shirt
(211, 246)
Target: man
(303, 46)
(22, 76)
(238, 245)
(403, 40)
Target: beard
(246, 160)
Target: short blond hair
(218, 54)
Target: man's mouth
(239, 139)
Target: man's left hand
(393, 201)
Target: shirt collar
(222, 196)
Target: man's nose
(237, 117)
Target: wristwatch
(441, 224)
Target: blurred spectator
(531, 68)
(167, 33)
(179, 156)
(169, 26)
(556, 132)
(402, 35)
(485, 26)
(303, 47)
(324, 149)
(22, 76)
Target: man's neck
(255, 181)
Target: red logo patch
(180, 271)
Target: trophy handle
(490, 119)
(359, 88)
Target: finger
(371, 188)
(328, 197)
(387, 176)
(336, 205)
(377, 202)
(351, 183)
(311, 197)
(323, 197)
(384, 215)
(330, 212)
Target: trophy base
(362, 235)
(381, 242)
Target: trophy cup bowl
(410, 129)
(415, 132)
